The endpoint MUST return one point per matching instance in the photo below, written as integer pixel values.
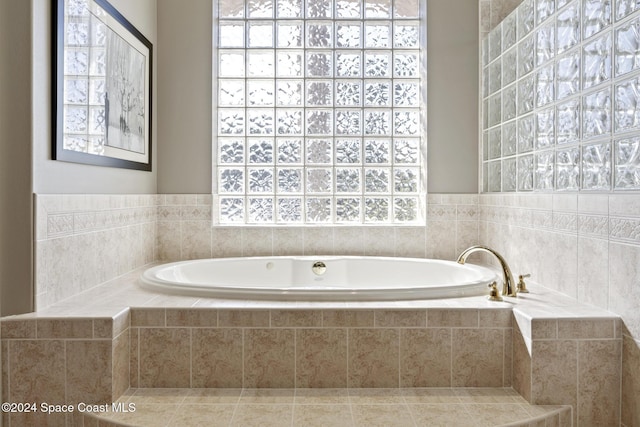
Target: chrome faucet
(508, 286)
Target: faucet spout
(508, 284)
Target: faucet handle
(494, 295)
(522, 286)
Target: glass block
(289, 93)
(348, 8)
(406, 122)
(526, 18)
(318, 209)
(377, 122)
(526, 94)
(509, 175)
(319, 180)
(98, 62)
(289, 8)
(290, 180)
(596, 166)
(76, 91)
(231, 93)
(509, 138)
(376, 209)
(626, 7)
(76, 143)
(568, 169)
(405, 64)
(509, 36)
(627, 161)
(545, 124)
(319, 93)
(319, 8)
(485, 114)
(405, 209)
(627, 55)
(260, 150)
(97, 91)
(545, 92)
(561, 3)
(495, 109)
(319, 34)
(406, 35)
(289, 209)
(76, 7)
(319, 151)
(544, 9)
(526, 56)
(319, 64)
(544, 170)
(231, 210)
(348, 35)
(568, 115)
(97, 120)
(231, 150)
(260, 210)
(509, 67)
(377, 64)
(231, 34)
(495, 142)
(76, 62)
(377, 35)
(289, 122)
(230, 64)
(348, 64)
(260, 8)
(348, 150)
(377, 93)
(406, 9)
(377, 151)
(348, 180)
(347, 209)
(96, 145)
(596, 113)
(231, 8)
(596, 61)
(545, 43)
(348, 93)
(261, 92)
(289, 64)
(495, 176)
(260, 180)
(319, 122)
(405, 180)
(406, 94)
(377, 8)
(260, 63)
(231, 181)
(568, 75)
(260, 34)
(495, 43)
(376, 180)
(485, 177)
(596, 16)
(77, 32)
(231, 121)
(289, 151)
(495, 76)
(568, 28)
(289, 34)
(485, 51)
(525, 173)
(348, 122)
(406, 151)
(261, 121)
(485, 145)
(627, 105)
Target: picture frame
(102, 87)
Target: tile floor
(464, 407)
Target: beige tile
(121, 365)
(257, 241)
(411, 242)
(441, 415)
(507, 373)
(195, 415)
(269, 358)
(321, 396)
(586, 328)
(158, 396)
(18, 329)
(103, 328)
(37, 371)
(440, 245)
(146, 414)
(544, 329)
(321, 358)
(267, 396)
(593, 274)
(630, 381)
(379, 241)
(478, 395)
(65, 328)
(381, 415)
(213, 396)
(318, 240)
(164, 357)
(624, 274)
(477, 357)
(288, 241)
(452, 318)
(194, 317)
(258, 415)
(322, 415)
(37, 419)
(554, 372)
(425, 357)
(216, 359)
(489, 415)
(196, 240)
(599, 370)
(400, 318)
(243, 318)
(373, 357)
(226, 242)
(296, 318)
(89, 371)
(349, 241)
(375, 396)
(142, 317)
(419, 395)
(348, 318)
(495, 318)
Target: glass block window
(320, 111)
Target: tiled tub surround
(184, 342)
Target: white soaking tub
(343, 278)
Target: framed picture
(101, 87)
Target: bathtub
(334, 278)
